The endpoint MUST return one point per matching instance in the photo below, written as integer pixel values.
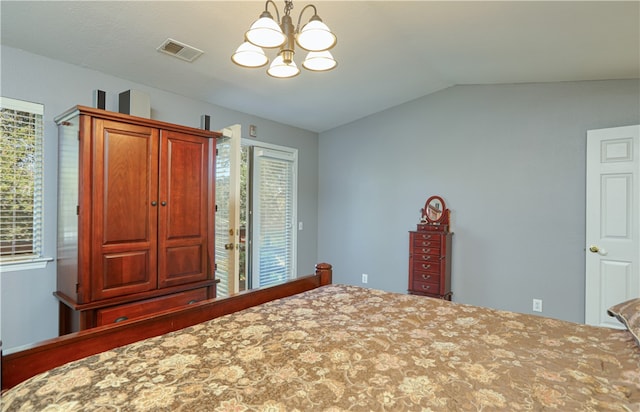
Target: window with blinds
(273, 217)
(21, 168)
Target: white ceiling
(388, 52)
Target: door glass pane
(273, 217)
(244, 208)
(223, 177)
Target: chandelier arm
(315, 13)
(266, 8)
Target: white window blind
(274, 217)
(21, 168)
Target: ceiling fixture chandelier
(315, 37)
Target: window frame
(35, 259)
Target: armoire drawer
(134, 310)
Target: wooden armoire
(135, 217)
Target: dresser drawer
(432, 259)
(426, 277)
(427, 250)
(148, 307)
(424, 287)
(426, 266)
(425, 243)
(426, 240)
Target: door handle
(596, 249)
(228, 246)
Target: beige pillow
(629, 314)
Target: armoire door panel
(184, 262)
(182, 225)
(126, 194)
(183, 188)
(126, 270)
(124, 218)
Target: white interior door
(613, 221)
(227, 228)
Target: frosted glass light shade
(319, 61)
(316, 36)
(249, 55)
(280, 69)
(265, 32)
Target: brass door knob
(598, 250)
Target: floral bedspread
(341, 348)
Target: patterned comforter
(340, 348)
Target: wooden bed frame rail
(48, 354)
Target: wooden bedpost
(325, 272)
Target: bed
(337, 347)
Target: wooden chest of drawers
(430, 263)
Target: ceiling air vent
(179, 50)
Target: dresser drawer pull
(120, 319)
(425, 267)
(426, 257)
(192, 301)
(426, 243)
(426, 236)
(426, 277)
(427, 287)
(426, 250)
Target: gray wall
(509, 160)
(29, 312)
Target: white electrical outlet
(365, 278)
(537, 305)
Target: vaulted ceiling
(388, 52)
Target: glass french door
(227, 228)
(273, 217)
(256, 198)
